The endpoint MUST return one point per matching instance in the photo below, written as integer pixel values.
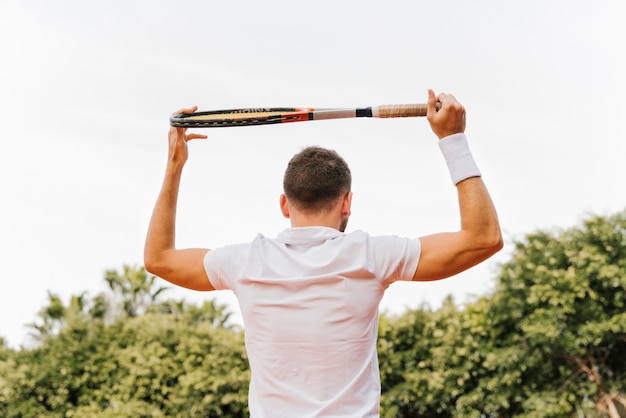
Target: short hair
(316, 178)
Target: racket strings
(242, 117)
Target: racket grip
(401, 111)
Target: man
(309, 298)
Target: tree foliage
(565, 295)
(134, 290)
(165, 359)
(549, 341)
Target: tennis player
(309, 297)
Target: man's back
(309, 301)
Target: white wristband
(458, 156)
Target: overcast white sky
(86, 89)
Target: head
(316, 181)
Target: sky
(86, 90)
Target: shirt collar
(308, 235)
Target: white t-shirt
(309, 301)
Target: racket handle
(401, 111)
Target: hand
(178, 138)
(450, 119)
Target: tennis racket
(267, 116)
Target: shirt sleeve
(396, 258)
(223, 264)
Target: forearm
(478, 213)
(182, 267)
(162, 228)
(479, 219)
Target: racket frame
(254, 116)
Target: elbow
(152, 265)
(493, 242)
(154, 260)
(498, 244)
(159, 264)
(149, 265)
(486, 241)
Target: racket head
(240, 117)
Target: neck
(328, 220)
(335, 217)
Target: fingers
(441, 97)
(448, 101)
(186, 110)
(191, 136)
(450, 119)
(447, 98)
(182, 132)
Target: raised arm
(446, 254)
(181, 267)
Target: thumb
(431, 107)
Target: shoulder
(382, 240)
(231, 250)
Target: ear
(346, 205)
(284, 206)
